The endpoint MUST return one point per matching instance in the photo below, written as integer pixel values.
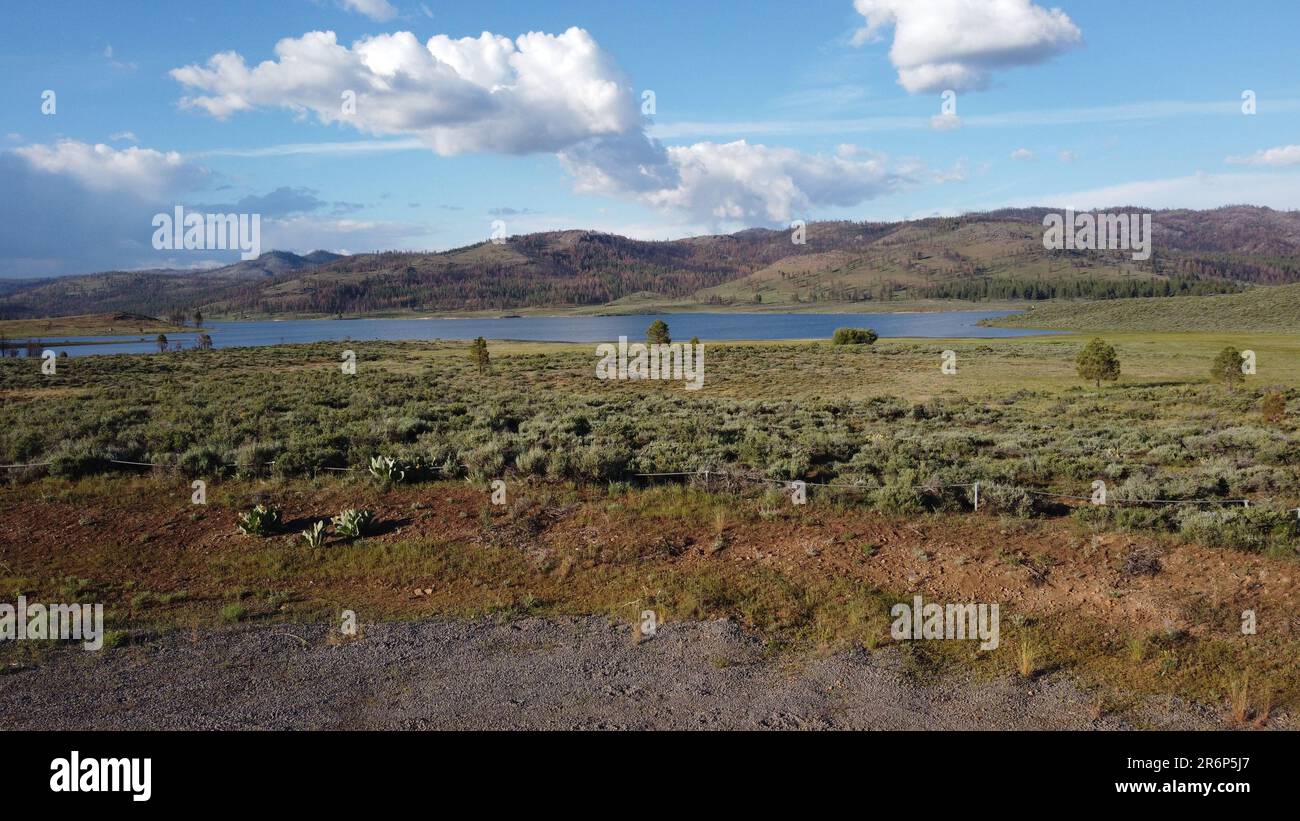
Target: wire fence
(173, 466)
(974, 485)
(709, 475)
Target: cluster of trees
(178, 316)
(1088, 288)
(202, 342)
(1265, 271)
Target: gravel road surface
(528, 674)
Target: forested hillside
(991, 256)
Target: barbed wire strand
(755, 480)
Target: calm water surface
(708, 327)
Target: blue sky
(838, 105)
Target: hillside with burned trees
(991, 256)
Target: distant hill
(991, 256)
(273, 264)
(152, 292)
(1259, 309)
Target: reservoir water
(707, 326)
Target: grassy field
(84, 325)
(883, 418)
(1267, 310)
(1136, 598)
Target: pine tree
(1226, 368)
(479, 354)
(657, 333)
(1098, 361)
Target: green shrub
(899, 495)
(306, 457)
(202, 460)
(532, 461)
(252, 459)
(602, 460)
(1133, 517)
(1009, 500)
(72, 460)
(487, 461)
(1243, 528)
(854, 336)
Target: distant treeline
(1089, 288)
(1264, 270)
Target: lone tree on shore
(657, 333)
(854, 336)
(1226, 369)
(479, 353)
(1098, 361)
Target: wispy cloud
(1280, 190)
(293, 149)
(379, 10)
(115, 63)
(1129, 112)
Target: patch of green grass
(1261, 309)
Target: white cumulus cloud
(1281, 155)
(729, 184)
(138, 172)
(957, 44)
(538, 92)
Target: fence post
(977, 497)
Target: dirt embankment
(1118, 619)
